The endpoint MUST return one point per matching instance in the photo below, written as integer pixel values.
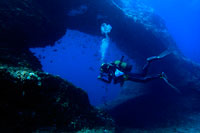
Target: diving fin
(165, 53)
(164, 77)
(161, 55)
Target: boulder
(32, 100)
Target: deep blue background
(182, 18)
(76, 57)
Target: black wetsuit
(109, 74)
(142, 77)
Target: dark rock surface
(136, 38)
(40, 23)
(157, 105)
(31, 23)
(32, 100)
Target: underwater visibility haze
(100, 66)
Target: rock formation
(32, 100)
(31, 97)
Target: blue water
(76, 56)
(182, 19)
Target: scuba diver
(120, 71)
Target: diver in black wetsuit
(120, 71)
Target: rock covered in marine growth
(32, 100)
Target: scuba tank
(123, 66)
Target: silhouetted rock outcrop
(30, 98)
(27, 23)
(33, 100)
